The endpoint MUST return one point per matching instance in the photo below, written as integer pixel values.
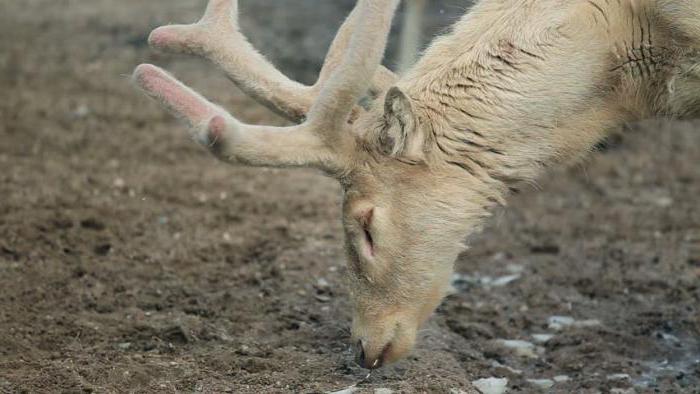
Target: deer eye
(368, 242)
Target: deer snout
(368, 359)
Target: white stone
(541, 383)
(623, 391)
(664, 202)
(618, 376)
(519, 348)
(558, 323)
(542, 338)
(561, 378)
(383, 391)
(587, 323)
(504, 280)
(512, 370)
(82, 111)
(491, 385)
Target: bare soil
(131, 261)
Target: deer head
(405, 213)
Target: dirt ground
(130, 261)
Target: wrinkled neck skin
(504, 101)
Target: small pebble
(496, 364)
(82, 111)
(664, 202)
(542, 338)
(587, 323)
(623, 391)
(520, 348)
(541, 383)
(558, 323)
(491, 385)
(618, 376)
(504, 280)
(322, 283)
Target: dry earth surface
(130, 261)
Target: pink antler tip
(160, 37)
(145, 73)
(217, 126)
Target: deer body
(516, 87)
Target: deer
(516, 88)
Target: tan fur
(517, 87)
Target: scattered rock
(515, 268)
(504, 280)
(668, 337)
(124, 345)
(119, 183)
(664, 201)
(383, 391)
(587, 323)
(542, 338)
(623, 391)
(618, 376)
(322, 284)
(520, 348)
(559, 323)
(491, 385)
(561, 378)
(322, 298)
(81, 112)
(462, 282)
(541, 383)
(497, 365)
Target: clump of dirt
(132, 261)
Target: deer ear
(401, 135)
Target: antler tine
(229, 139)
(318, 141)
(349, 81)
(382, 79)
(217, 37)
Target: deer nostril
(364, 362)
(360, 354)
